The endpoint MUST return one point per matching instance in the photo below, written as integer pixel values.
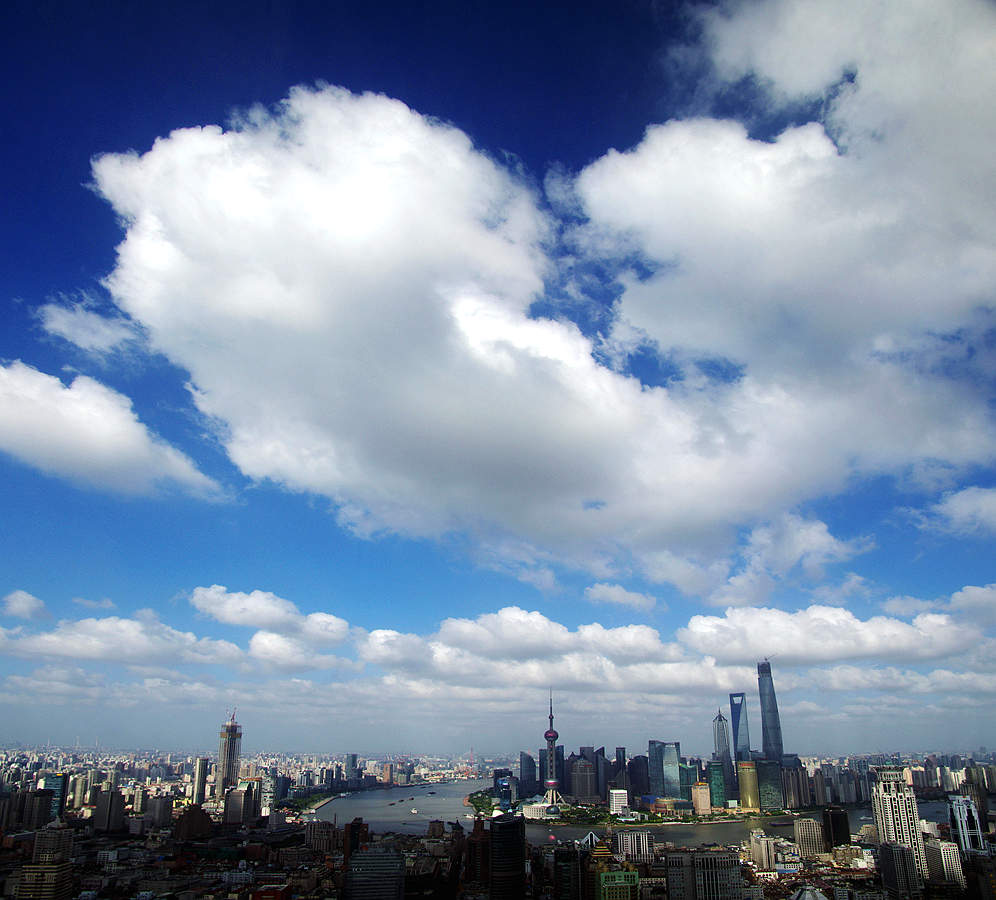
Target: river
(390, 810)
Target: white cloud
(616, 593)
(977, 603)
(88, 434)
(281, 651)
(776, 549)
(142, 640)
(907, 606)
(86, 329)
(260, 609)
(272, 614)
(348, 284)
(967, 511)
(103, 603)
(23, 605)
(824, 633)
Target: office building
(618, 801)
(635, 846)
(769, 784)
(747, 779)
(527, 774)
(672, 770)
(229, 749)
(762, 850)
(200, 780)
(836, 826)
(900, 876)
(718, 784)
(508, 857)
(944, 861)
(701, 798)
(375, 874)
(738, 721)
(52, 845)
(703, 875)
(109, 814)
(45, 881)
(896, 817)
(655, 767)
(566, 873)
(809, 837)
(771, 726)
(720, 736)
(966, 827)
(58, 784)
(721, 745)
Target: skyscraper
(720, 736)
(200, 779)
(672, 769)
(966, 826)
(527, 774)
(508, 857)
(655, 767)
(721, 748)
(771, 726)
(896, 818)
(741, 733)
(228, 756)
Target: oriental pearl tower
(551, 784)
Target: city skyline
(372, 372)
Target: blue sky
(374, 370)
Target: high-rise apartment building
(228, 756)
(741, 733)
(896, 817)
(771, 726)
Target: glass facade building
(769, 784)
(741, 733)
(771, 726)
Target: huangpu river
(391, 810)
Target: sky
(376, 370)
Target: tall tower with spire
(551, 783)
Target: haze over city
(377, 371)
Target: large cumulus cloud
(348, 283)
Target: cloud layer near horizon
(624, 674)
